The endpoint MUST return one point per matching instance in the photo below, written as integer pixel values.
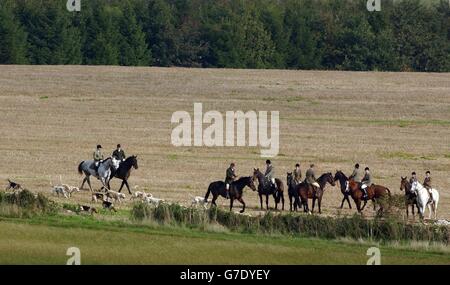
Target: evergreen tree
(133, 47)
(160, 32)
(13, 39)
(51, 38)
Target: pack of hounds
(106, 196)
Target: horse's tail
(80, 169)
(208, 192)
(389, 192)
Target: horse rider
(98, 157)
(297, 174)
(366, 182)
(119, 156)
(427, 184)
(413, 178)
(311, 177)
(229, 178)
(356, 175)
(270, 173)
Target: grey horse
(104, 171)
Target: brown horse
(266, 188)
(376, 193)
(305, 191)
(410, 197)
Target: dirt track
(52, 118)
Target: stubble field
(52, 118)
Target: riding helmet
(99, 146)
(357, 165)
(367, 168)
(268, 161)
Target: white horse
(104, 171)
(423, 199)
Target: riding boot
(365, 194)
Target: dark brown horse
(376, 193)
(342, 178)
(266, 188)
(292, 192)
(410, 197)
(124, 172)
(305, 191)
(236, 190)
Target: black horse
(292, 192)
(410, 196)
(266, 188)
(124, 171)
(236, 190)
(342, 178)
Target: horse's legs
(260, 200)
(128, 187)
(297, 203)
(89, 183)
(407, 209)
(290, 202)
(243, 205)
(231, 203)
(365, 203)
(275, 200)
(82, 183)
(374, 205)
(213, 201)
(358, 205)
(319, 203)
(267, 201)
(282, 201)
(348, 201)
(121, 185)
(342, 203)
(313, 204)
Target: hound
(88, 209)
(98, 196)
(197, 200)
(140, 195)
(108, 205)
(13, 186)
(70, 189)
(153, 200)
(60, 190)
(115, 195)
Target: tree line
(406, 35)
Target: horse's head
(251, 183)
(133, 161)
(258, 174)
(340, 176)
(289, 178)
(404, 181)
(330, 179)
